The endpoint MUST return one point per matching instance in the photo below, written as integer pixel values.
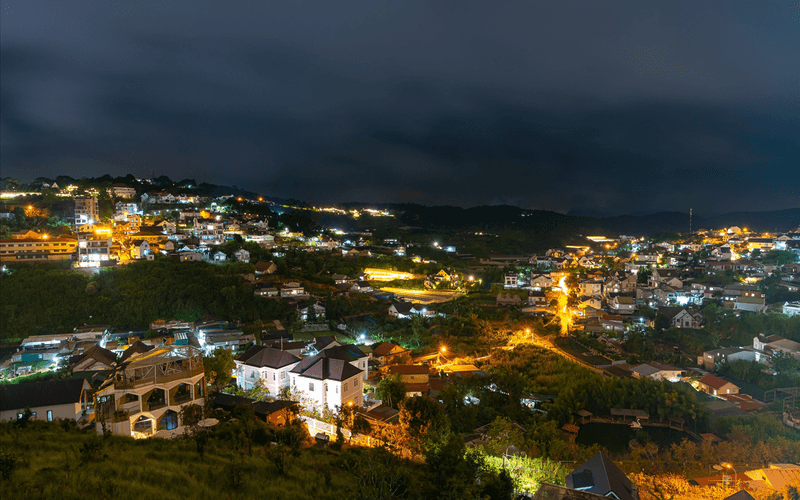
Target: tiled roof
(599, 475)
(137, 347)
(323, 368)
(38, 394)
(712, 381)
(97, 353)
(262, 356)
(385, 348)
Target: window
(283, 375)
(344, 389)
(311, 386)
(273, 375)
(355, 382)
(49, 415)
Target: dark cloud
(623, 107)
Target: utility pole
(690, 221)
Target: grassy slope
(125, 468)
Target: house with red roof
(716, 386)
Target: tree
(190, 417)
(311, 314)
(502, 435)
(391, 390)
(423, 424)
(219, 367)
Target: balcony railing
(182, 398)
(127, 383)
(155, 405)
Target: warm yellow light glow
(387, 275)
(444, 349)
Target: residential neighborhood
(224, 306)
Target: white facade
(330, 394)
(791, 308)
(274, 379)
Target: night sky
(599, 107)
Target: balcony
(157, 404)
(128, 383)
(182, 398)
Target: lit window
(49, 415)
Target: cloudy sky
(596, 106)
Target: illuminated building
(386, 275)
(87, 210)
(93, 248)
(145, 395)
(25, 249)
(123, 191)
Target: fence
(316, 426)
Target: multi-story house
(328, 382)
(87, 210)
(511, 280)
(591, 287)
(266, 365)
(124, 191)
(210, 232)
(93, 248)
(144, 396)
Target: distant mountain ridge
(505, 216)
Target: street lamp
(729, 466)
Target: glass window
(311, 386)
(344, 389)
(49, 415)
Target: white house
(219, 256)
(622, 305)
(657, 371)
(140, 249)
(511, 280)
(266, 364)
(328, 382)
(791, 308)
(242, 255)
(401, 310)
(361, 287)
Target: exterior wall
(361, 364)
(725, 389)
(132, 411)
(330, 394)
(49, 249)
(274, 379)
(70, 411)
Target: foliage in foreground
(56, 460)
